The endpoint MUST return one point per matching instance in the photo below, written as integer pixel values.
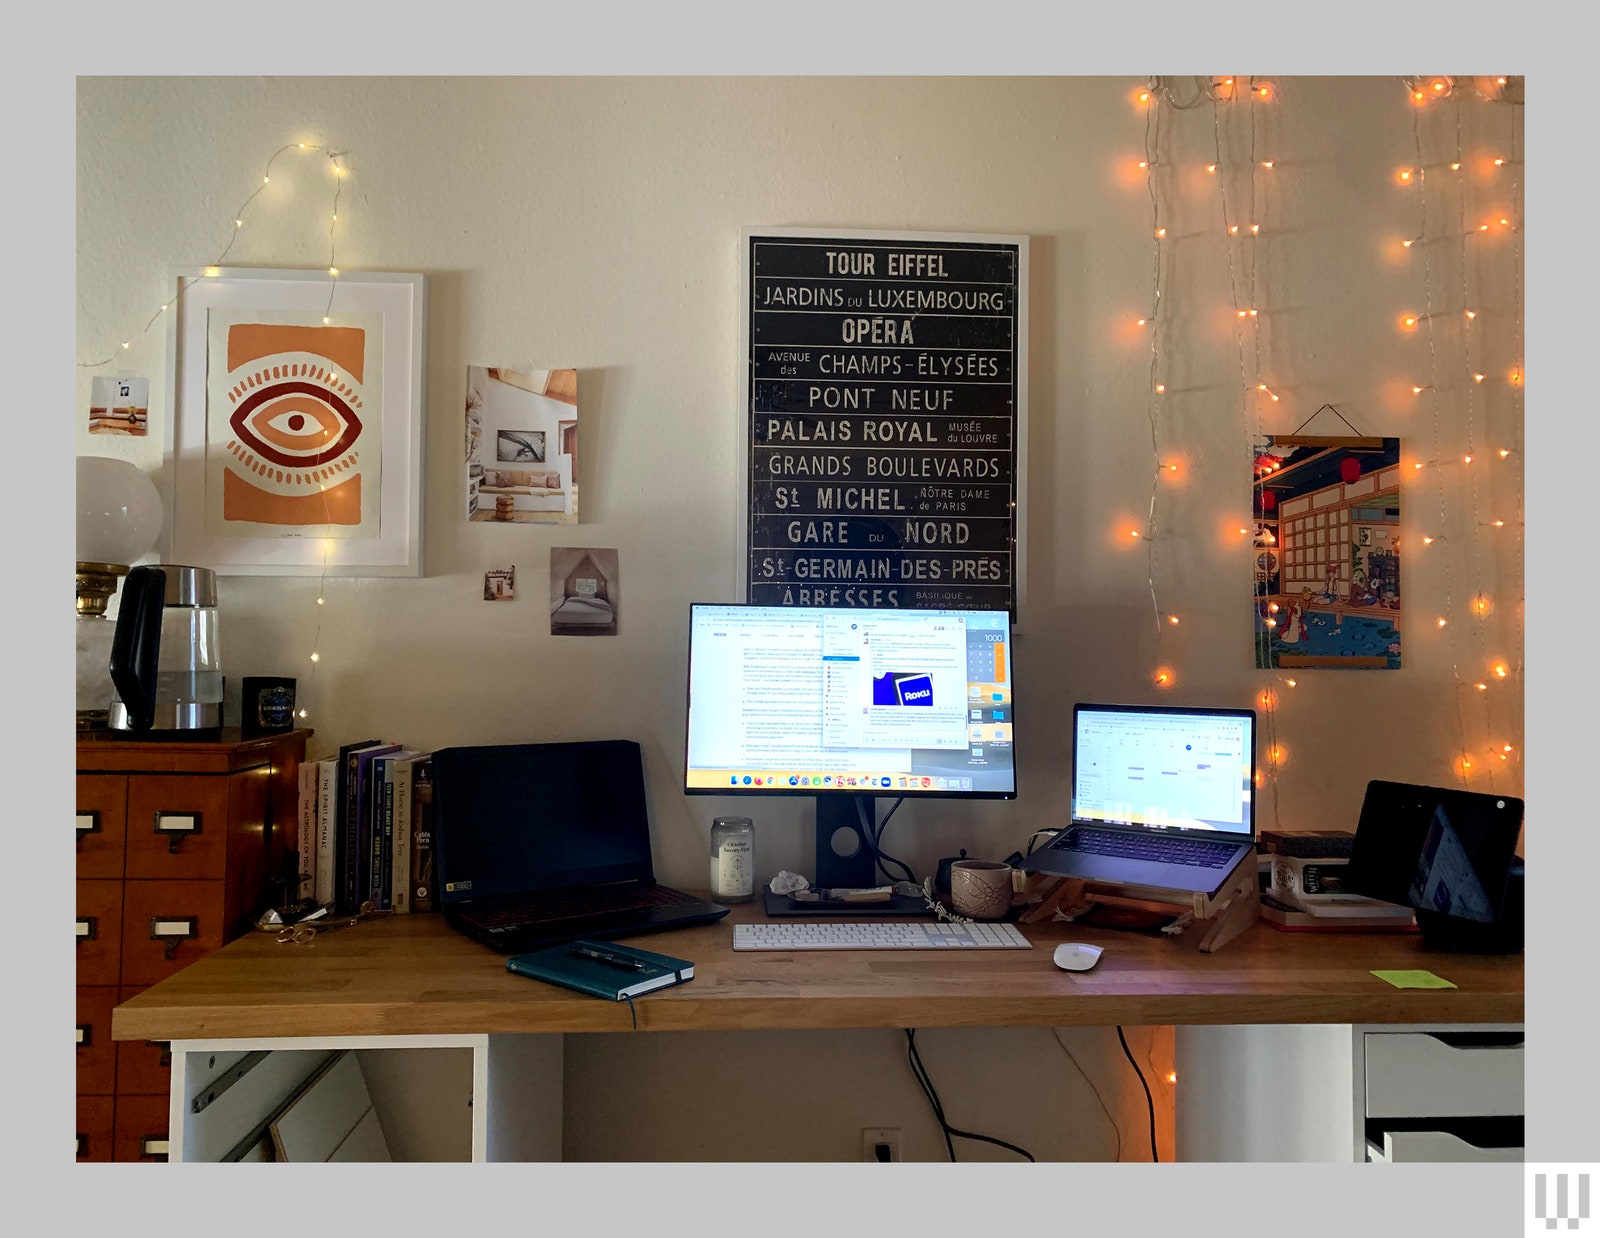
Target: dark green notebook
(602, 968)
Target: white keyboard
(878, 935)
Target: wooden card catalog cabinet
(176, 841)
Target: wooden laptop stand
(1210, 921)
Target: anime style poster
(1327, 552)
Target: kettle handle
(136, 644)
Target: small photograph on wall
(521, 445)
(584, 587)
(119, 406)
(500, 584)
(1327, 552)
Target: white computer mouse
(1077, 955)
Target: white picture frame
(387, 541)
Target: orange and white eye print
(294, 433)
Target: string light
(214, 270)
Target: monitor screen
(796, 700)
(1191, 769)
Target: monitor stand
(844, 856)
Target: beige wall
(595, 223)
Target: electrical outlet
(880, 1143)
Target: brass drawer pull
(177, 826)
(174, 930)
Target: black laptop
(1162, 796)
(537, 844)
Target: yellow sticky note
(1414, 979)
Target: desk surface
(413, 974)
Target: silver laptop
(1162, 796)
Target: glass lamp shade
(119, 519)
(119, 511)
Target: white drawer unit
(1439, 1093)
(1342, 1092)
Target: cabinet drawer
(97, 1052)
(141, 1129)
(1443, 1074)
(1414, 1146)
(166, 925)
(99, 930)
(144, 1067)
(96, 1121)
(177, 827)
(102, 824)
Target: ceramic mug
(980, 889)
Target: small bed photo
(583, 591)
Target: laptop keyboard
(575, 904)
(1195, 852)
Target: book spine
(372, 830)
(350, 840)
(324, 890)
(422, 835)
(386, 863)
(306, 842)
(400, 781)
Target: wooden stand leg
(1231, 910)
(1210, 922)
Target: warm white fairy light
(214, 271)
(239, 216)
(1243, 262)
(1479, 604)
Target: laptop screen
(1149, 765)
(521, 818)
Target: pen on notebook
(616, 960)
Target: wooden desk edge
(412, 975)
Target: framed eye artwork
(294, 426)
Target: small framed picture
(500, 584)
(526, 446)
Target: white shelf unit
(437, 1098)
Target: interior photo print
(521, 445)
(583, 592)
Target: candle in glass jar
(732, 859)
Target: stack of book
(1302, 886)
(366, 828)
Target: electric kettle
(165, 664)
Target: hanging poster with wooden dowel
(885, 423)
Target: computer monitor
(846, 705)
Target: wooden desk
(413, 977)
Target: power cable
(921, 1073)
(1148, 1099)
